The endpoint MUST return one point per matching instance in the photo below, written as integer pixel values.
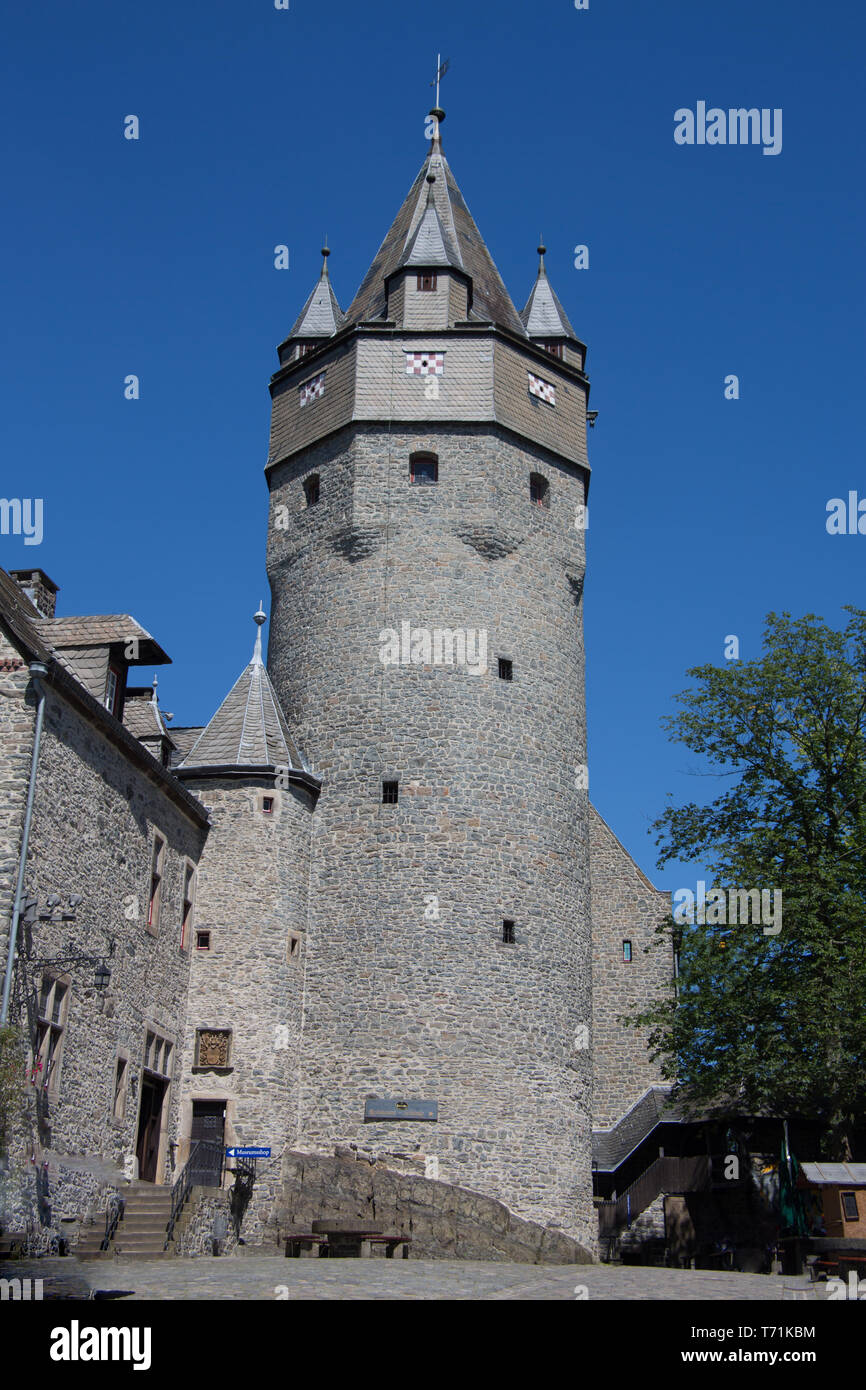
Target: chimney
(41, 591)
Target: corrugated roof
(462, 241)
(835, 1174)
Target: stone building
(391, 924)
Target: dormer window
(426, 282)
(114, 690)
(555, 349)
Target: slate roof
(143, 717)
(611, 1146)
(249, 729)
(321, 316)
(100, 630)
(462, 242)
(544, 316)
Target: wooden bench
(301, 1243)
(392, 1244)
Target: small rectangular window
(390, 793)
(156, 872)
(506, 669)
(508, 931)
(50, 1029)
(202, 941)
(293, 946)
(626, 951)
(849, 1206)
(426, 282)
(188, 904)
(120, 1076)
(268, 805)
(423, 468)
(311, 490)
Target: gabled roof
(544, 316)
(461, 240)
(249, 729)
(321, 316)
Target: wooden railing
(663, 1175)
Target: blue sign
(248, 1153)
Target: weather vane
(441, 69)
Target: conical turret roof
(454, 231)
(249, 728)
(544, 316)
(321, 316)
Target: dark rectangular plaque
(384, 1109)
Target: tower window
(426, 282)
(508, 931)
(311, 489)
(423, 468)
(539, 490)
(626, 951)
(268, 805)
(390, 793)
(202, 941)
(293, 946)
(506, 669)
(555, 349)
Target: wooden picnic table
(345, 1238)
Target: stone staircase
(141, 1231)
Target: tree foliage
(768, 1023)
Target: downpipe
(37, 671)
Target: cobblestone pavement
(271, 1277)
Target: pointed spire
(249, 728)
(460, 239)
(544, 316)
(321, 316)
(259, 618)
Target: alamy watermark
(720, 907)
(22, 516)
(736, 126)
(437, 646)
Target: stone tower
(428, 474)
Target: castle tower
(244, 926)
(427, 471)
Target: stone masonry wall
(625, 906)
(252, 897)
(410, 990)
(17, 717)
(442, 1221)
(95, 814)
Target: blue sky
(261, 127)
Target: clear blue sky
(261, 127)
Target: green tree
(775, 1023)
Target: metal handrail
(113, 1214)
(185, 1182)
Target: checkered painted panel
(314, 388)
(425, 363)
(544, 390)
